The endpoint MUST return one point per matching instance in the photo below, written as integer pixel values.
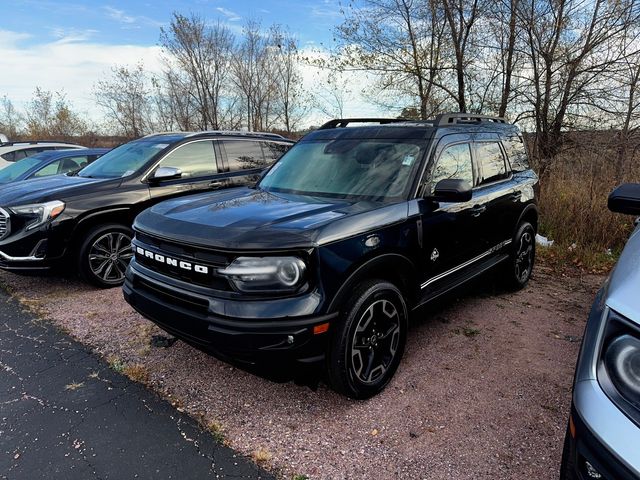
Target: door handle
(515, 196)
(477, 210)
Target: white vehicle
(13, 151)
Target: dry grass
(137, 372)
(573, 205)
(261, 456)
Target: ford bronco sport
(352, 229)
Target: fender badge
(372, 241)
(435, 255)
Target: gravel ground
(483, 391)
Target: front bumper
(257, 341)
(613, 457)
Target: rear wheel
(368, 342)
(518, 269)
(105, 254)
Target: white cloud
(129, 21)
(118, 15)
(62, 65)
(231, 16)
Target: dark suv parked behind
(84, 220)
(347, 233)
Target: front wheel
(368, 342)
(105, 254)
(517, 270)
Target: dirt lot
(482, 393)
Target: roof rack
(34, 142)
(343, 122)
(456, 118)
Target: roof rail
(455, 118)
(343, 122)
(238, 132)
(35, 142)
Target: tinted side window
(491, 162)
(20, 154)
(273, 151)
(517, 153)
(9, 156)
(194, 159)
(51, 169)
(244, 154)
(454, 162)
(73, 163)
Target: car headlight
(38, 214)
(265, 274)
(622, 361)
(619, 365)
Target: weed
(216, 431)
(136, 372)
(261, 456)
(74, 386)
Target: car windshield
(353, 168)
(123, 160)
(16, 169)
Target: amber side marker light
(572, 427)
(318, 329)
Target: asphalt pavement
(64, 414)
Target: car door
(451, 231)
(495, 190)
(199, 170)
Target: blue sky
(138, 22)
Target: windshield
(123, 160)
(372, 169)
(16, 169)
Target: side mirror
(452, 190)
(625, 199)
(165, 173)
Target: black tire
(366, 370)
(567, 467)
(518, 268)
(104, 255)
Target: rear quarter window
(517, 153)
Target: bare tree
(50, 115)
(292, 101)
(198, 58)
(401, 42)
(255, 76)
(569, 44)
(125, 99)
(10, 119)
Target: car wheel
(368, 342)
(519, 267)
(105, 254)
(567, 467)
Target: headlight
(38, 214)
(265, 274)
(622, 361)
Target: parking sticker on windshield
(408, 160)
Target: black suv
(352, 229)
(84, 220)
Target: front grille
(169, 258)
(5, 223)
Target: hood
(57, 187)
(622, 292)
(245, 218)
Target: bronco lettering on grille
(172, 261)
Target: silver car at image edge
(603, 435)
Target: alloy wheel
(110, 255)
(375, 341)
(524, 257)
